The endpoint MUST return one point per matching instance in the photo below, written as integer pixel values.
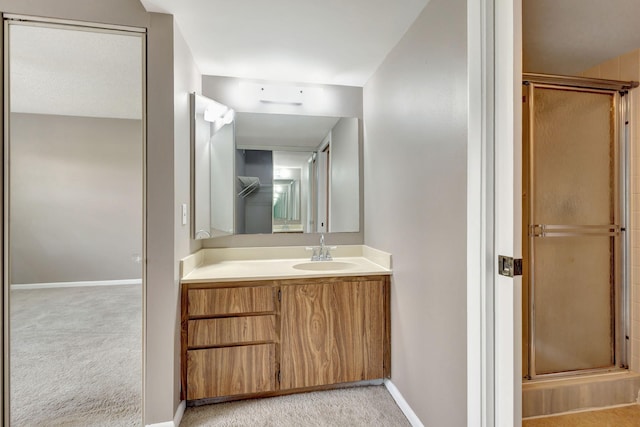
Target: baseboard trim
(402, 403)
(164, 424)
(177, 418)
(52, 285)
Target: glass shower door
(574, 230)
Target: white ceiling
(75, 73)
(343, 42)
(329, 41)
(571, 36)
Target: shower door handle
(566, 230)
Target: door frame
(508, 210)
(4, 177)
(494, 212)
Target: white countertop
(243, 264)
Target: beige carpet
(623, 416)
(76, 356)
(353, 407)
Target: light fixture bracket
(280, 94)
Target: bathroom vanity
(266, 321)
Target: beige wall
(627, 67)
(161, 385)
(161, 303)
(115, 12)
(415, 119)
(76, 198)
(187, 79)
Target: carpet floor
(622, 416)
(353, 407)
(76, 356)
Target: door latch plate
(509, 266)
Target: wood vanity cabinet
(264, 338)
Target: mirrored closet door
(74, 163)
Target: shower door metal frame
(620, 304)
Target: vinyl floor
(622, 416)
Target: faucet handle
(327, 255)
(315, 256)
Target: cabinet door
(332, 333)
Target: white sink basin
(324, 265)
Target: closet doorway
(74, 144)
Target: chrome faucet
(322, 252)
(325, 255)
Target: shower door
(572, 207)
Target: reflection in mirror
(320, 155)
(254, 189)
(214, 151)
(287, 174)
(287, 202)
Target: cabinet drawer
(229, 371)
(221, 301)
(231, 330)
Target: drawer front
(231, 330)
(221, 301)
(229, 371)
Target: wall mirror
(259, 173)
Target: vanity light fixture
(218, 114)
(280, 94)
(214, 111)
(228, 116)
